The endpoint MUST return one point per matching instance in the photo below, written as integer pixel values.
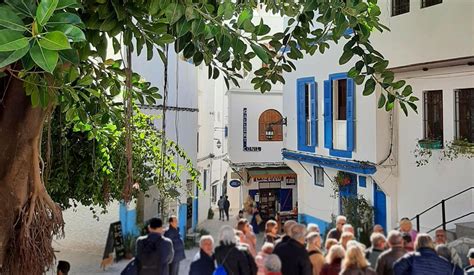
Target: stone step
(465, 229)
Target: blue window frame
(362, 181)
(306, 114)
(329, 115)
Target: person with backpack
(313, 245)
(154, 252)
(231, 258)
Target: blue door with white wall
(380, 206)
(347, 191)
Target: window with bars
(400, 7)
(464, 114)
(433, 115)
(429, 3)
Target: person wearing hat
(469, 270)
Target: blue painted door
(347, 191)
(380, 206)
(286, 199)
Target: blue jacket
(178, 245)
(154, 254)
(425, 261)
(203, 264)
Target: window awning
(343, 165)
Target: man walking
(292, 253)
(220, 204)
(441, 238)
(178, 245)
(384, 265)
(336, 233)
(226, 207)
(154, 252)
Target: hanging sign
(234, 183)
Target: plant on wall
(358, 210)
(458, 148)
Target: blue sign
(234, 183)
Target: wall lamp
(269, 132)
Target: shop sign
(234, 183)
(268, 179)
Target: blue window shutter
(327, 114)
(362, 181)
(300, 99)
(314, 115)
(350, 114)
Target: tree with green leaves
(55, 71)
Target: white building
(332, 127)
(181, 127)
(212, 143)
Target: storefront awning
(266, 173)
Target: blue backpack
(220, 270)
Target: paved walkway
(86, 260)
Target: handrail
(443, 210)
(450, 221)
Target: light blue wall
(128, 219)
(182, 216)
(323, 225)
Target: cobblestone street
(85, 259)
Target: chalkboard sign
(115, 241)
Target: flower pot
(430, 144)
(464, 147)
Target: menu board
(115, 242)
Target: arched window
(270, 121)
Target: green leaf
(7, 58)
(44, 58)
(24, 7)
(55, 40)
(72, 32)
(62, 4)
(407, 91)
(45, 11)
(35, 97)
(85, 81)
(245, 15)
(70, 55)
(380, 66)
(43, 97)
(381, 101)
(369, 87)
(12, 40)
(153, 7)
(64, 18)
(261, 53)
(174, 12)
(346, 56)
(398, 84)
(404, 107)
(10, 20)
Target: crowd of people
(301, 250)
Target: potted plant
(129, 246)
(463, 146)
(342, 179)
(430, 143)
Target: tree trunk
(28, 216)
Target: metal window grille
(464, 114)
(433, 115)
(429, 3)
(400, 7)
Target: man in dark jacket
(226, 207)
(286, 228)
(384, 265)
(424, 261)
(336, 233)
(178, 245)
(203, 263)
(293, 255)
(154, 252)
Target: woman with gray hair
(272, 265)
(235, 258)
